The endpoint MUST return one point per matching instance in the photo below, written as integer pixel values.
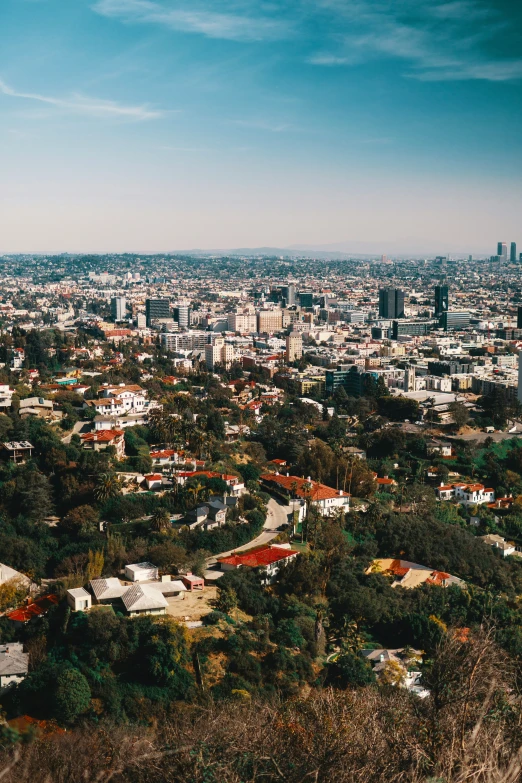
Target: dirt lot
(194, 605)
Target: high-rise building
(269, 321)
(219, 353)
(244, 322)
(391, 303)
(157, 310)
(294, 347)
(441, 300)
(519, 394)
(118, 308)
(513, 253)
(519, 318)
(502, 250)
(288, 292)
(409, 378)
(306, 299)
(182, 315)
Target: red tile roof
(101, 436)
(262, 556)
(299, 486)
(38, 607)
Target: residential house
(37, 608)
(36, 406)
(207, 516)
(401, 665)
(14, 664)
(99, 440)
(141, 572)
(79, 599)
(269, 559)
(410, 575)
(505, 548)
(17, 451)
(324, 498)
(144, 599)
(465, 494)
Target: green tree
(71, 696)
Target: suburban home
(79, 599)
(411, 575)
(404, 664)
(17, 451)
(234, 483)
(505, 548)
(141, 597)
(154, 481)
(207, 515)
(141, 572)
(144, 599)
(436, 447)
(37, 608)
(466, 494)
(36, 406)
(324, 498)
(269, 559)
(7, 573)
(165, 457)
(99, 440)
(14, 664)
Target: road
(277, 515)
(79, 427)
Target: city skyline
(150, 125)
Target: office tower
(470, 259)
(502, 251)
(441, 300)
(294, 347)
(519, 318)
(141, 320)
(391, 303)
(242, 321)
(513, 253)
(306, 299)
(157, 310)
(182, 315)
(288, 293)
(409, 378)
(450, 321)
(519, 392)
(118, 308)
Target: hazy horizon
(168, 125)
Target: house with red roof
(99, 440)
(466, 494)
(324, 498)
(30, 609)
(270, 559)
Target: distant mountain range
(407, 248)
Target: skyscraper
(294, 347)
(182, 315)
(157, 309)
(441, 300)
(118, 308)
(502, 251)
(519, 318)
(288, 293)
(391, 303)
(513, 253)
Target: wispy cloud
(265, 125)
(236, 22)
(439, 41)
(82, 104)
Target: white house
(79, 599)
(141, 572)
(14, 664)
(144, 599)
(505, 548)
(326, 499)
(466, 494)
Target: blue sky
(169, 124)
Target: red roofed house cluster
(326, 499)
(466, 494)
(269, 558)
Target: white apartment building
(219, 353)
(243, 322)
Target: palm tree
(160, 520)
(108, 486)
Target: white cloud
(233, 25)
(81, 104)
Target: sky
(162, 125)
